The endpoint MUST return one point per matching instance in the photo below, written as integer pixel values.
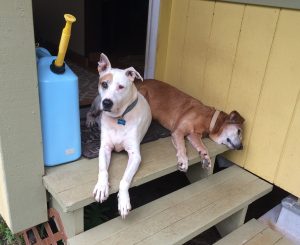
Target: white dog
(125, 119)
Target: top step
(72, 184)
(183, 214)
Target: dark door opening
(115, 27)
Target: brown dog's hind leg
(179, 144)
(195, 140)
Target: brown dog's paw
(206, 164)
(182, 162)
(205, 159)
(183, 167)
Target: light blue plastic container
(59, 109)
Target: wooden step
(71, 184)
(183, 214)
(254, 232)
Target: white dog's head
(116, 87)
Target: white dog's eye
(239, 132)
(121, 87)
(104, 85)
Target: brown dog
(187, 117)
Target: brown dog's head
(228, 130)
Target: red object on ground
(55, 231)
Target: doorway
(114, 27)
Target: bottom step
(183, 214)
(254, 232)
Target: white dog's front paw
(101, 191)
(124, 205)
(183, 163)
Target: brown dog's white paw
(183, 163)
(206, 162)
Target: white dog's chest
(118, 136)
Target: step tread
(72, 184)
(254, 232)
(181, 215)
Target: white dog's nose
(107, 104)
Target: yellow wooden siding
(278, 98)
(197, 34)
(162, 37)
(243, 57)
(249, 68)
(289, 165)
(176, 41)
(221, 53)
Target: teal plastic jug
(59, 105)
(59, 109)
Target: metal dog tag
(121, 121)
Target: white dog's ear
(103, 64)
(131, 73)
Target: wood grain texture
(221, 53)
(254, 232)
(174, 220)
(163, 38)
(277, 100)
(199, 21)
(72, 184)
(288, 168)
(242, 234)
(177, 32)
(256, 38)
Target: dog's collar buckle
(121, 119)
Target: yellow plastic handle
(64, 40)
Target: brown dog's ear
(235, 117)
(131, 73)
(103, 64)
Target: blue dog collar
(121, 119)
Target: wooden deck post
(232, 222)
(22, 194)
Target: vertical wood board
(23, 196)
(253, 51)
(176, 41)
(162, 38)
(200, 16)
(289, 165)
(278, 98)
(221, 53)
